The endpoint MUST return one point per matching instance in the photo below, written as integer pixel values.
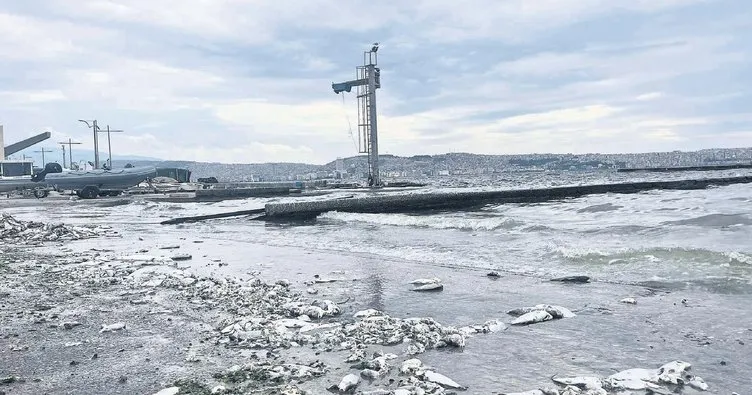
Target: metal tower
(368, 79)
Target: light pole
(69, 143)
(62, 146)
(94, 126)
(109, 145)
(43, 151)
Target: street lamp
(94, 126)
(69, 143)
(109, 145)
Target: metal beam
(23, 144)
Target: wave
(655, 255)
(714, 220)
(426, 221)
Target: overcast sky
(250, 81)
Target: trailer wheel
(41, 193)
(88, 192)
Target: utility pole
(43, 151)
(69, 143)
(62, 146)
(95, 128)
(367, 81)
(109, 145)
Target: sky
(247, 81)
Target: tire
(41, 193)
(88, 192)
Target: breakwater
(406, 203)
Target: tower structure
(367, 80)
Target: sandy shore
(55, 297)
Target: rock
(112, 327)
(181, 257)
(429, 287)
(493, 274)
(23, 232)
(348, 383)
(169, 391)
(587, 383)
(410, 366)
(442, 380)
(533, 317)
(425, 281)
(70, 324)
(698, 383)
(367, 313)
(369, 374)
(573, 279)
(628, 301)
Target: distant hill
(57, 155)
(419, 166)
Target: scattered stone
(493, 274)
(628, 301)
(348, 383)
(533, 317)
(539, 313)
(169, 391)
(367, 313)
(669, 378)
(426, 281)
(23, 232)
(70, 324)
(8, 379)
(429, 287)
(181, 257)
(112, 327)
(442, 380)
(573, 279)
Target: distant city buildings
(422, 166)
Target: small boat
(88, 184)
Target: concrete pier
(405, 203)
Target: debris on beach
(426, 281)
(429, 287)
(181, 257)
(348, 383)
(539, 313)
(168, 391)
(666, 379)
(112, 327)
(17, 231)
(427, 284)
(572, 279)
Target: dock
(408, 203)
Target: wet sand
(150, 354)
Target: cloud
(249, 81)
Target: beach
(173, 336)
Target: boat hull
(104, 180)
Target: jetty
(418, 202)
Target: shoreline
(570, 346)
